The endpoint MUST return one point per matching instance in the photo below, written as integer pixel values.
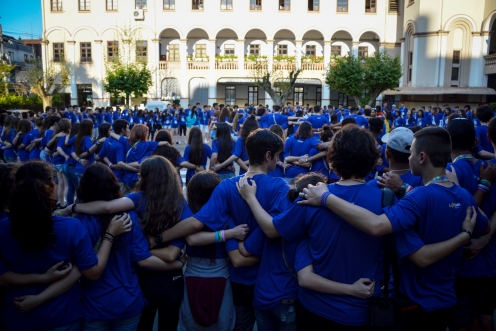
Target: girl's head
(139, 132)
(162, 193)
(326, 134)
(195, 142)
(420, 113)
(224, 114)
(85, 130)
(31, 206)
(104, 130)
(249, 126)
(277, 129)
(98, 183)
(25, 126)
(353, 152)
(200, 188)
(74, 129)
(304, 131)
(14, 124)
(164, 135)
(64, 125)
(302, 182)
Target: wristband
(483, 188)
(73, 208)
(158, 239)
(223, 233)
(323, 198)
(109, 237)
(467, 231)
(485, 182)
(110, 165)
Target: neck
(393, 166)
(256, 170)
(428, 174)
(455, 153)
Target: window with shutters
(85, 52)
(455, 68)
(282, 49)
(370, 6)
(313, 5)
(174, 53)
(310, 50)
(393, 6)
(112, 50)
(58, 52)
(197, 4)
(111, 5)
(335, 50)
(342, 5)
(56, 5)
(363, 52)
(255, 4)
(254, 49)
(84, 5)
(200, 50)
(169, 4)
(284, 5)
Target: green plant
(287, 58)
(189, 57)
(493, 105)
(254, 58)
(230, 58)
(312, 58)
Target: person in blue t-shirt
(116, 298)
(32, 240)
(158, 206)
(280, 165)
(69, 168)
(263, 148)
(23, 139)
(82, 145)
(429, 226)
(62, 155)
(399, 178)
(239, 153)
(484, 147)
(222, 147)
(34, 140)
(317, 120)
(297, 146)
(196, 153)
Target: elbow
(190, 241)
(422, 262)
(236, 262)
(377, 230)
(196, 226)
(92, 275)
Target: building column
(327, 53)
(298, 44)
(240, 52)
(485, 35)
(71, 58)
(415, 61)
(212, 82)
(270, 54)
(184, 84)
(99, 94)
(326, 95)
(477, 63)
(402, 59)
(382, 46)
(153, 53)
(354, 48)
(442, 56)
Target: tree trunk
(47, 101)
(128, 101)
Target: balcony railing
(312, 66)
(490, 67)
(166, 65)
(226, 65)
(198, 65)
(285, 66)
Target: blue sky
(20, 17)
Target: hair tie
(296, 189)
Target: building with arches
(204, 50)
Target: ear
(268, 156)
(423, 158)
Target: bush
(493, 105)
(32, 102)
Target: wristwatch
(158, 239)
(402, 189)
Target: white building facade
(203, 50)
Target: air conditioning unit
(139, 15)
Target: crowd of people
(96, 232)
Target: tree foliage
(5, 71)
(276, 80)
(126, 74)
(49, 82)
(364, 80)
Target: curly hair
(7, 183)
(302, 182)
(353, 152)
(32, 205)
(162, 194)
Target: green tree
(48, 82)
(277, 81)
(5, 72)
(364, 80)
(127, 73)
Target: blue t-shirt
(298, 147)
(427, 215)
(226, 203)
(409, 178)
(216, 149)
(207, 153)
(35, 152)
(117, 293)
(320, 166)
(59, 159)
(339, 251)
(317, 121)
(85, 147)
(72, 245)
(114, 151)
(274, 282)
(275, 118)
(240, 151)
(23, 152)
(137, 153)
(484, 143)
(11, 152)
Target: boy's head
(431, 144)
(263, 145)
(485, 113)
(399, 141)
(462, 133)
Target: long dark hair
(195, 142)
(85, 130)
(223, 114)
(224, 141)
(163, 194)
(99, 183)
(249, 126)
(32, 205)
(193, 111)
(74, 130)
(304, 131)
(169, 152)
(199, 191)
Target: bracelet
(110, 164)
(485, 182)
(323, 198)
(218, 238)
(109, 237)
(483, 188)
(98, 143)
(223, 233)
(467, 231)
(73, 208)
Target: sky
(20, 18)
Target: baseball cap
(400, 139)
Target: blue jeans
(76, 326)
(127, 324)
(72, 182)
(283, 318)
